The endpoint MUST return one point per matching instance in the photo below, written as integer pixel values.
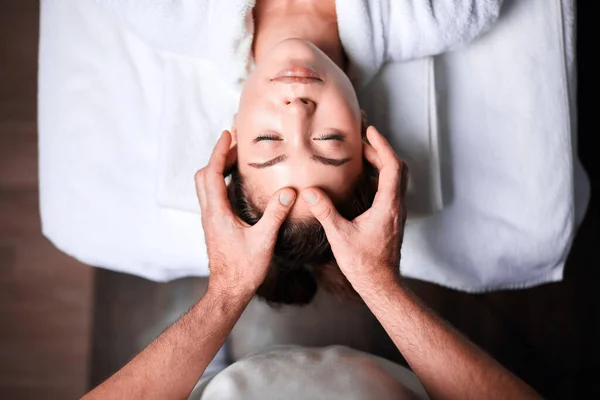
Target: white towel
(514, 190)
(106, 103)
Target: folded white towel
(514, 190)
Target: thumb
(276, 211)
(321, 206)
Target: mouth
(296, 79)
(297, 74)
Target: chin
(300, 211)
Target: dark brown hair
(303, 260)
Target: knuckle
(325, 213)
(200, 176)
(279, 214)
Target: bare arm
(239, 257)
(367, 250)
(171, 365)
(448, 365)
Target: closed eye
(331, 136)
(267, 137)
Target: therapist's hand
(239, 254)
(367, 249)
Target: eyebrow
(330, 161)
(322, 160)
(269, 163)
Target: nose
(302, 105)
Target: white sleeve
(420, 28)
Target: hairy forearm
(447, 364)
(172, 364)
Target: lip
(296, 79)
(297, 74)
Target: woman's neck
(311, 20)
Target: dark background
(64, 326)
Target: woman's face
(298, 125)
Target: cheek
(346, 95)
(339, 112)
(252, 100)
(341, 181)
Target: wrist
(232, 291)
(382, 278)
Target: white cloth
(514, 190)
(123, 126)
(334, 372)
(372, 31)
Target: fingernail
(310, 198)
(285, 198)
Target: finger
(384, 150)
(388, 190)
(217, 200)
(392, 186)
(199, 177)
(230, 160)
(322, 208)
(275, 213)
(211, 196)
(222, 163)
(210, 181)
(371, 155)
(219, 156)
